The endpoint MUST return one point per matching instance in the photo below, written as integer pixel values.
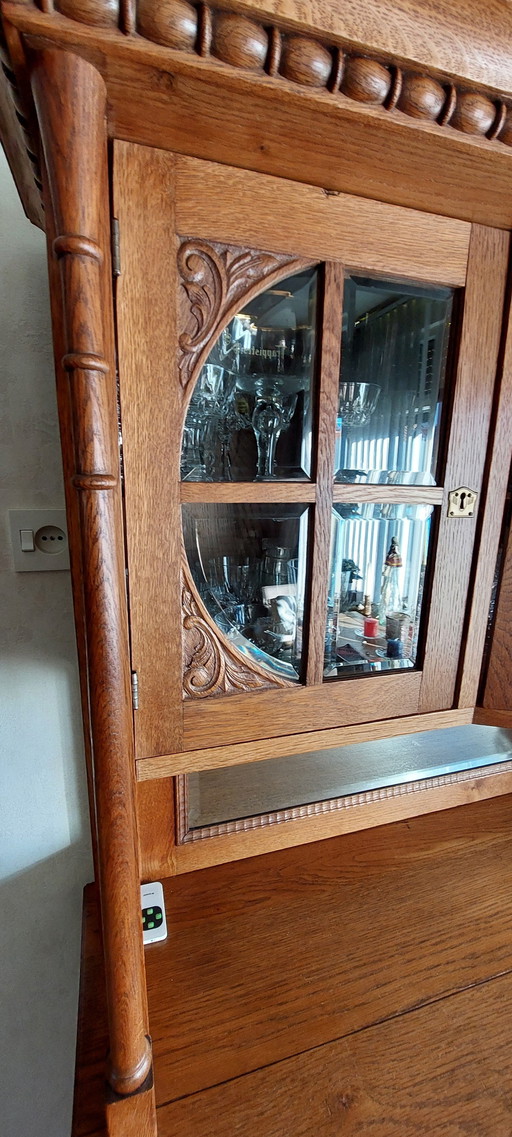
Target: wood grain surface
(415, 495)
(484, 717)
(498, 687)
(465, 463)
(133, 1116)
(72, 507)
(489, 533)
(214, 757)
(367, 977)
(147, 344)
(461, 43)
(442, 1069)
(75, 150)
(347, 147)
(258, 492)
(19, 147)
(156, 824)
(92, 1028)
(267, 714)
(279, 954)
(244, 116)
(366, 235)
(458, 39)
(327, 406)
(96, 1112)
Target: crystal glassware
(357, 403)
(204, 450)
(274, 366)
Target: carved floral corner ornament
(215, 278)
(211, 666)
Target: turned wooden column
(70, 100)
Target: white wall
(44, 842)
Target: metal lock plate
(462, 502)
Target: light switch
(27, 540)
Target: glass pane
(250, 415)
(249, 566)
(236, 792)
(378, 561)
(395, 340)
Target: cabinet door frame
(188, 197)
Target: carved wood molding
(207, 31)
(316, 809)
(211, 665)
(214, 278)
(19, 144)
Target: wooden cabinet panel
(146, 318)
(471, 414)
(267, 714)
(307, 221)
(497, 699)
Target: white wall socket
(39, 539)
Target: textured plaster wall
(44, 843)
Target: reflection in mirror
(394, 349)
(293, 783)
(377, 574)
(249, 565)
(250, 415)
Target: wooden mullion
(328, 387)
(382, 494)
(248, 493)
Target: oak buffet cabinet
(278, 248)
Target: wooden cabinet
(200, 243)
(293, 187)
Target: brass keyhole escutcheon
(462, 502)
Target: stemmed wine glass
(273, 413)
(357, 403)
(273, 367)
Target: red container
(371, 627)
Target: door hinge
(116, 255)
(135, 691)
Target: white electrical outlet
(154, 924)
(39, 539)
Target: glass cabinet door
(304, 384)
(259, 414)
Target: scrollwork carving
(211, 666)
(215, 277)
